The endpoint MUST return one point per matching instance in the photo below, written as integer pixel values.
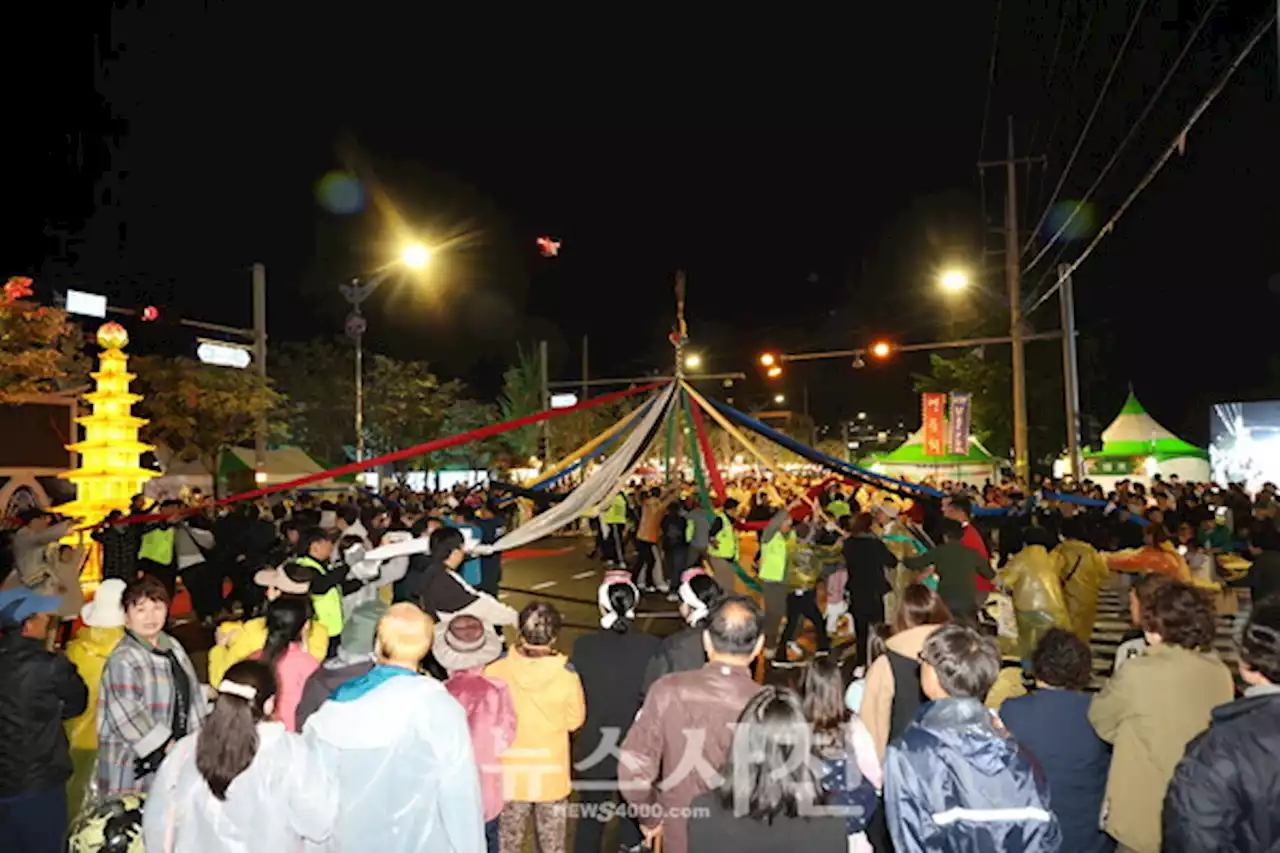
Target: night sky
(810, 177)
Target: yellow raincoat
(249, 637)
(1083, 572)
(88, 652)
(1038, 603)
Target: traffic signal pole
(931, 347)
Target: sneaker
(794, 648)
(671, 596)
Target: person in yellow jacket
(549, 702)
(88, 651)
(236, 641)
(1083, 572)
(1038, 603)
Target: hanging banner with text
(958, 426)
(935, 424)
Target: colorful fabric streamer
(700, 428)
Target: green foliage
(521, 397)
(986, 376)
(465, 416)
(41, 349)
(198, 410)
(404, 404)
(318, 378)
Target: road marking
(543, 585)
(580, 575)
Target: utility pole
(260, 356)
(1070, 371)
(543, 378)
(1013, 274)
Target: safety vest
(725, 545)
(774, 555)
(328, 604)
(617, 511)
(157, 546)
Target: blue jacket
(470, 569)
(955, 782)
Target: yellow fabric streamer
(733, 431)
(590, 445)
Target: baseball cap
(18, 604)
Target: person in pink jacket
(287, 620)
(464, 646)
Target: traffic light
(150, 314)
(882, 349)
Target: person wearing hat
(611, 663)
(354, 659)
(103, 619)
(464, 646)
(38, 690)
(236, 641)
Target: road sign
(221, 354)
(356, 325)
(86, 304)
(563, 401)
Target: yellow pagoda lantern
(109, 474)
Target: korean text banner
(935, 428)
(961, 412)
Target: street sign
(86, 304)
(222, 354)
(563, 401)
(356, 325)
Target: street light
(881, 349)
(412, 255)
(415, 256)
(862, 416)
(693, 361)
(768, 359)
(779, 399)
(774, 372)
(954, 280)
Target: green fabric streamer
(671, 432)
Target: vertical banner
(958, 428)
(935, 426)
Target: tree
(41, 350)
(987, 379)
(198, 410)
(318, 378)
(404, 404)
(833, 447)
(521, 396)
(465, 416)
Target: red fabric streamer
(717, 482)
(397, 455)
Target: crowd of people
(398, 704)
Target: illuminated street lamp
(693, 361)
(415, 256)
(954, 280)
(768, 359)
(774, 372)
(779, 399)
(881, 349)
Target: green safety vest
(157, 546)
(774, 555)
(617, 511)
(838, 509)
(327, 605)
(725, 545)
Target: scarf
(181, 685)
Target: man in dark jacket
(1225, 791)
(957, 567)
(956, 780)
(683, 651)
(38, 690)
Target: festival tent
(1137, 447)
(909, 462)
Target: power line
(1106, 84)
(1178, 144)
(991, 78)
(1133, 129)
(1053, 68)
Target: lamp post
(414, 256)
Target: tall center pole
(260, 356)
(1013, 274)
(1070, 371)
(359, 392)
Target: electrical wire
(991, 78)
(1179, 143)
(1075, 67)
(1133, 129)
(1053, 68)
(1075, 152)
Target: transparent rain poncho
(1032, 578)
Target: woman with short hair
(149, 697)
(242, 782)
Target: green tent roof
(912, 453)
(1161, 449)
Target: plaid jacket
(135, 710)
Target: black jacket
(1225, 791)
(680, 652)
(612, 668)
(38, 690)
